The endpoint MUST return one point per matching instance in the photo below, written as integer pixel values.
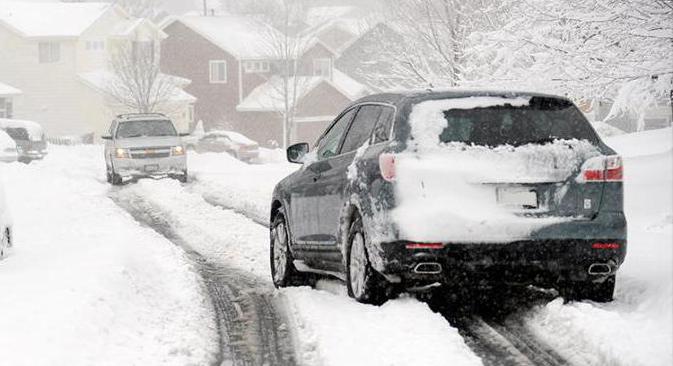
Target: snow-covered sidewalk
(85, 284)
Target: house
(7, 95)
(236, 73)
(58, 55)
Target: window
(143, 50)
(95, 45)
(5, 108)
(329, 143)
(384, 125)
(256, 66)
(322, 67)
(218, 72)
(156, 128)
(49, 52)
(361, 128)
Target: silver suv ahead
(144, 145)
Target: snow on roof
(269, 96)
(6, 90)
(50, 19)
(34, 129)
(241, 36)
(99, 80)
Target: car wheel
(363, 282)
(588, 290)
(116, 179)
(283, 271)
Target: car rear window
(542, 120)
(131, 129)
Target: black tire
(116, 179)
(364, 284)
(588, 290)
(283, 271)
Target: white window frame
(256, 66)
(220, 79)
(48, 52)
(318, 64)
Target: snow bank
(637, 328)
(336, 330)
(86, 284)
(222, 179)
(441, 195)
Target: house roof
(268, 97)
(7, 90)
(100, 80)
(44, 19)
(241, 36)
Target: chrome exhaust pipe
(600, 269)
(428, 268)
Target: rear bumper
(555, 253)
(173, 165)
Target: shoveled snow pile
(637, 328)
(224, 180)
(85, 284)
(336, 330)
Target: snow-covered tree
(616, 50)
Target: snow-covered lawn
(637, 328)
(85, 284)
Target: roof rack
(139, 115)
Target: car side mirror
(296, 152)
(106, 137)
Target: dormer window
(322, 67)
(251, 67)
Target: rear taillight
(605, 246)
(603, 169)
(424, 246)
(387, 166)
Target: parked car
(8, 151)
(6, 233)
(144, 145)
(233, 143)
(416, 190)
(29, 137)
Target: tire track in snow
(252, 329)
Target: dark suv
(411, 191)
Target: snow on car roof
(34, 129)
(6, 141)
(234, 136)
(50, 19)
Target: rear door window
(362, 126)
(384, 125)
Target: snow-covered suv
(420, 189)
(142, 145)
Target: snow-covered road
(96, 277)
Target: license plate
(517, 197)
(151, 168)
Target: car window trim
(334, 122)
(392, 125)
